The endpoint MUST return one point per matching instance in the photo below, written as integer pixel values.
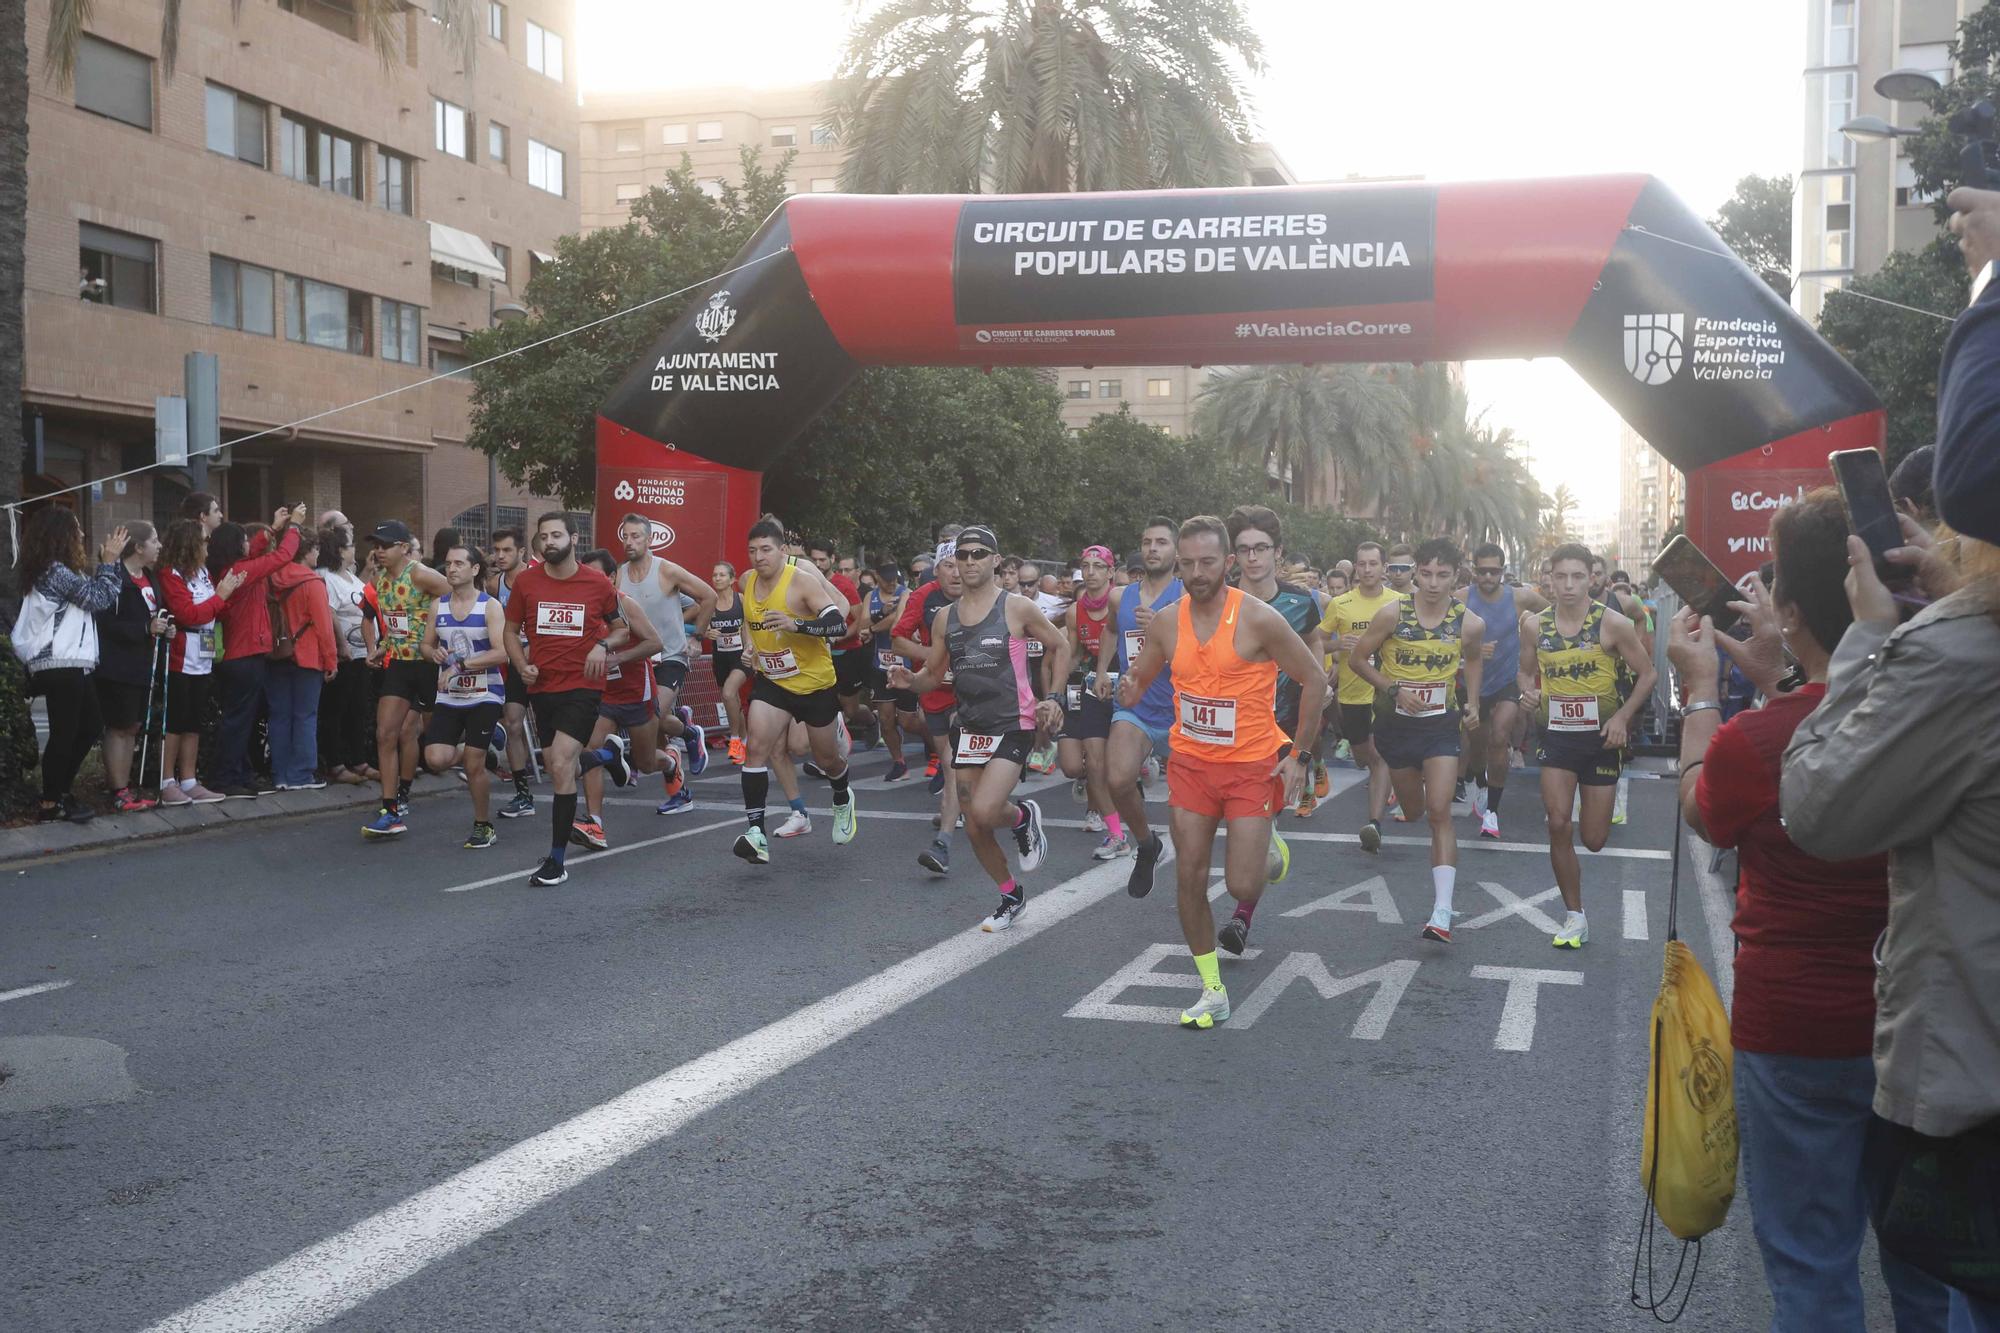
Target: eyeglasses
(975, 555)
(1261, 548)
(1401, 569)
(1494, 570)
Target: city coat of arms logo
(1653, 347)
(720, 317)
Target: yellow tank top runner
(1427, 659)
(1579, 674)
(800, 663)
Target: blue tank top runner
(1156, 708)
(1503, 631)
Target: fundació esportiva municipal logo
(1653, 346)
(623, 491)
(717, 319)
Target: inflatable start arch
(1611, 273)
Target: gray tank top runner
(661, 607)
(989, 673)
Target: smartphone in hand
(1871, 509)
(1697, 582)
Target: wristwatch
(1058, 700)
(1305, 757)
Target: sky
(1699, 93)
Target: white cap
(946, 551)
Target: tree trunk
(13, 256)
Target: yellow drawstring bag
(1688, 1158)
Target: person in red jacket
(195, 602)
(246, 637)
(293, 685)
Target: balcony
(336, 16)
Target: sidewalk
(32, 841)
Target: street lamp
(1907, 85)
(1874, 129)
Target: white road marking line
(1374, 894)
(1517, 1015)
(1717, 906)
(26, 991)
(582, 859)
(1635, 914)
(1528, 909)
(1480, 845)
(328, 1279)
(1143, 971)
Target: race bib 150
(1572, 713)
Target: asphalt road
(292, 1079)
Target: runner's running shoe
(1235, 933)
(552, 873)
(386, 824)
(797, 825)
(619, 770)
(697, 745)
(1112, 848)
(1307, 804)
(1210, 1009)
(1489, 825)
(1575, 932)
(1093, 822)
(751, 846)
(481, 838)
(813, 770)
(844, 821)
(739, 753)
(679, 803)
(1003, 915)
(935, 774)
(1029, 838)
(1371, 837)
(128, 802)
(1343, 751)
(897, 772)
(1278, 863)
(588, 831)
(522, 804)
(1322, 781)
(1144, 861)
(1438, 927)
(936, 858)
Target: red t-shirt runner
(563, 620)
(845, 587)
(919, 614)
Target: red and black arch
(1611, 273)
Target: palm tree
(1555, 516)
(383, 20)
(1045, 96)
(1301, 422)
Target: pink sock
(1114, 826)
(1246, 910)
(1008, 887)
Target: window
(784, 136)
(451, 122)
(496, 143)
(1836, 149)
(824, 185)
(673, 134)
(505, 255)
(402, 328)
(712, 188)
(708, 131)
(1933, 58)
(1159, 388)
(1907, 192)
(114, 82)
(241, 296)
(323, 315)
(237, 126)
(458, 276)
(545, 167)
(496, 21)
(443, 362)
(629, 191)
(1111, 388)
(310, 152)
(1078, 389)
(823, 136)
(1840, 32)
(628, 140)
(395, 178)
(117, 268)
(545, 51)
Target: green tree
(1898, 350)
(1934, 151)
(536, 411)
(1345, 419)
(1756, 222)
(1555, 517)
(1045, 96)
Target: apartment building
(631, 141)
(328, 218)
(1652, 497)
(1857, 201)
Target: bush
(19, 753)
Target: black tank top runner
(990, 673)
(725, 623)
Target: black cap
(395, 530)
(978, 536)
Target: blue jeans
(1802, 1122)
(293, 692)
(240, 683)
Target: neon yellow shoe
(844, 821)
(1278, 863)
(1210, 1009)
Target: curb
(35, 842)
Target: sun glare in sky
(1699, 94)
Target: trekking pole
(166, 696)
(146, 728)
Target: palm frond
(67, 21)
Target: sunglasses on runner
(1401, 569)
(1494, 570)
(975, 555)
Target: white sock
(1578, 914)
(1443, 878)
(187, 784)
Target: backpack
(284, 647)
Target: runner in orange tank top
(1230, 758)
